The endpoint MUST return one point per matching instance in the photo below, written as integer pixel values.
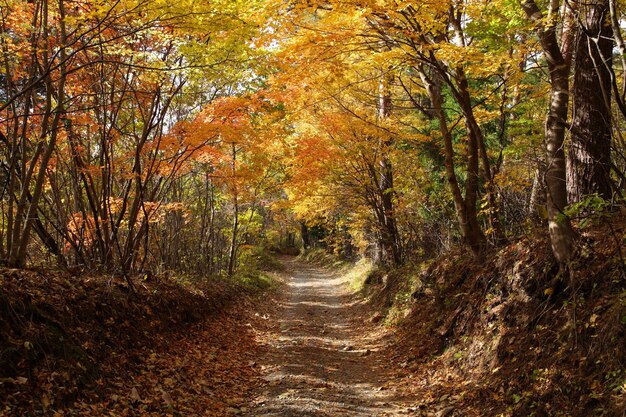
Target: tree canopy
(136, 131)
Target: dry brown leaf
(134, 395)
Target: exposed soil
(322, 355)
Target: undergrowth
(321, 257)
(357, 275)
(63, 337)
(60, 335)
(257, 268)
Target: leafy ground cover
(510, 335)
(89, 346)
(504, 336)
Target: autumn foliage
(143, 138)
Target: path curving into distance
(322, 355)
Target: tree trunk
(389, 230)
(465, 207)
(561, 234)
(232, 253)
(476, 136)
(17, 255)
(537, 197)
(304, 235)
(589, 150)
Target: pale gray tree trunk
(558, 58)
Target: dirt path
(322, 356)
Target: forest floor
(473, 339)
(321, 355)
(83, 346)
(505, 336)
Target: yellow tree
(380, 61)
(342, 78)
(244, 155)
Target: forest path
(322, 356)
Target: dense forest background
(151, 138)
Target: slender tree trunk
(17, 255)
(589, 150)
(537, 197)
(557, 57)
(232, 253)
(304, 235)
(389, 230)
(465, 207)
(211, 238)
(477, 136)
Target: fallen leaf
(134, 395)
(167, 398)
